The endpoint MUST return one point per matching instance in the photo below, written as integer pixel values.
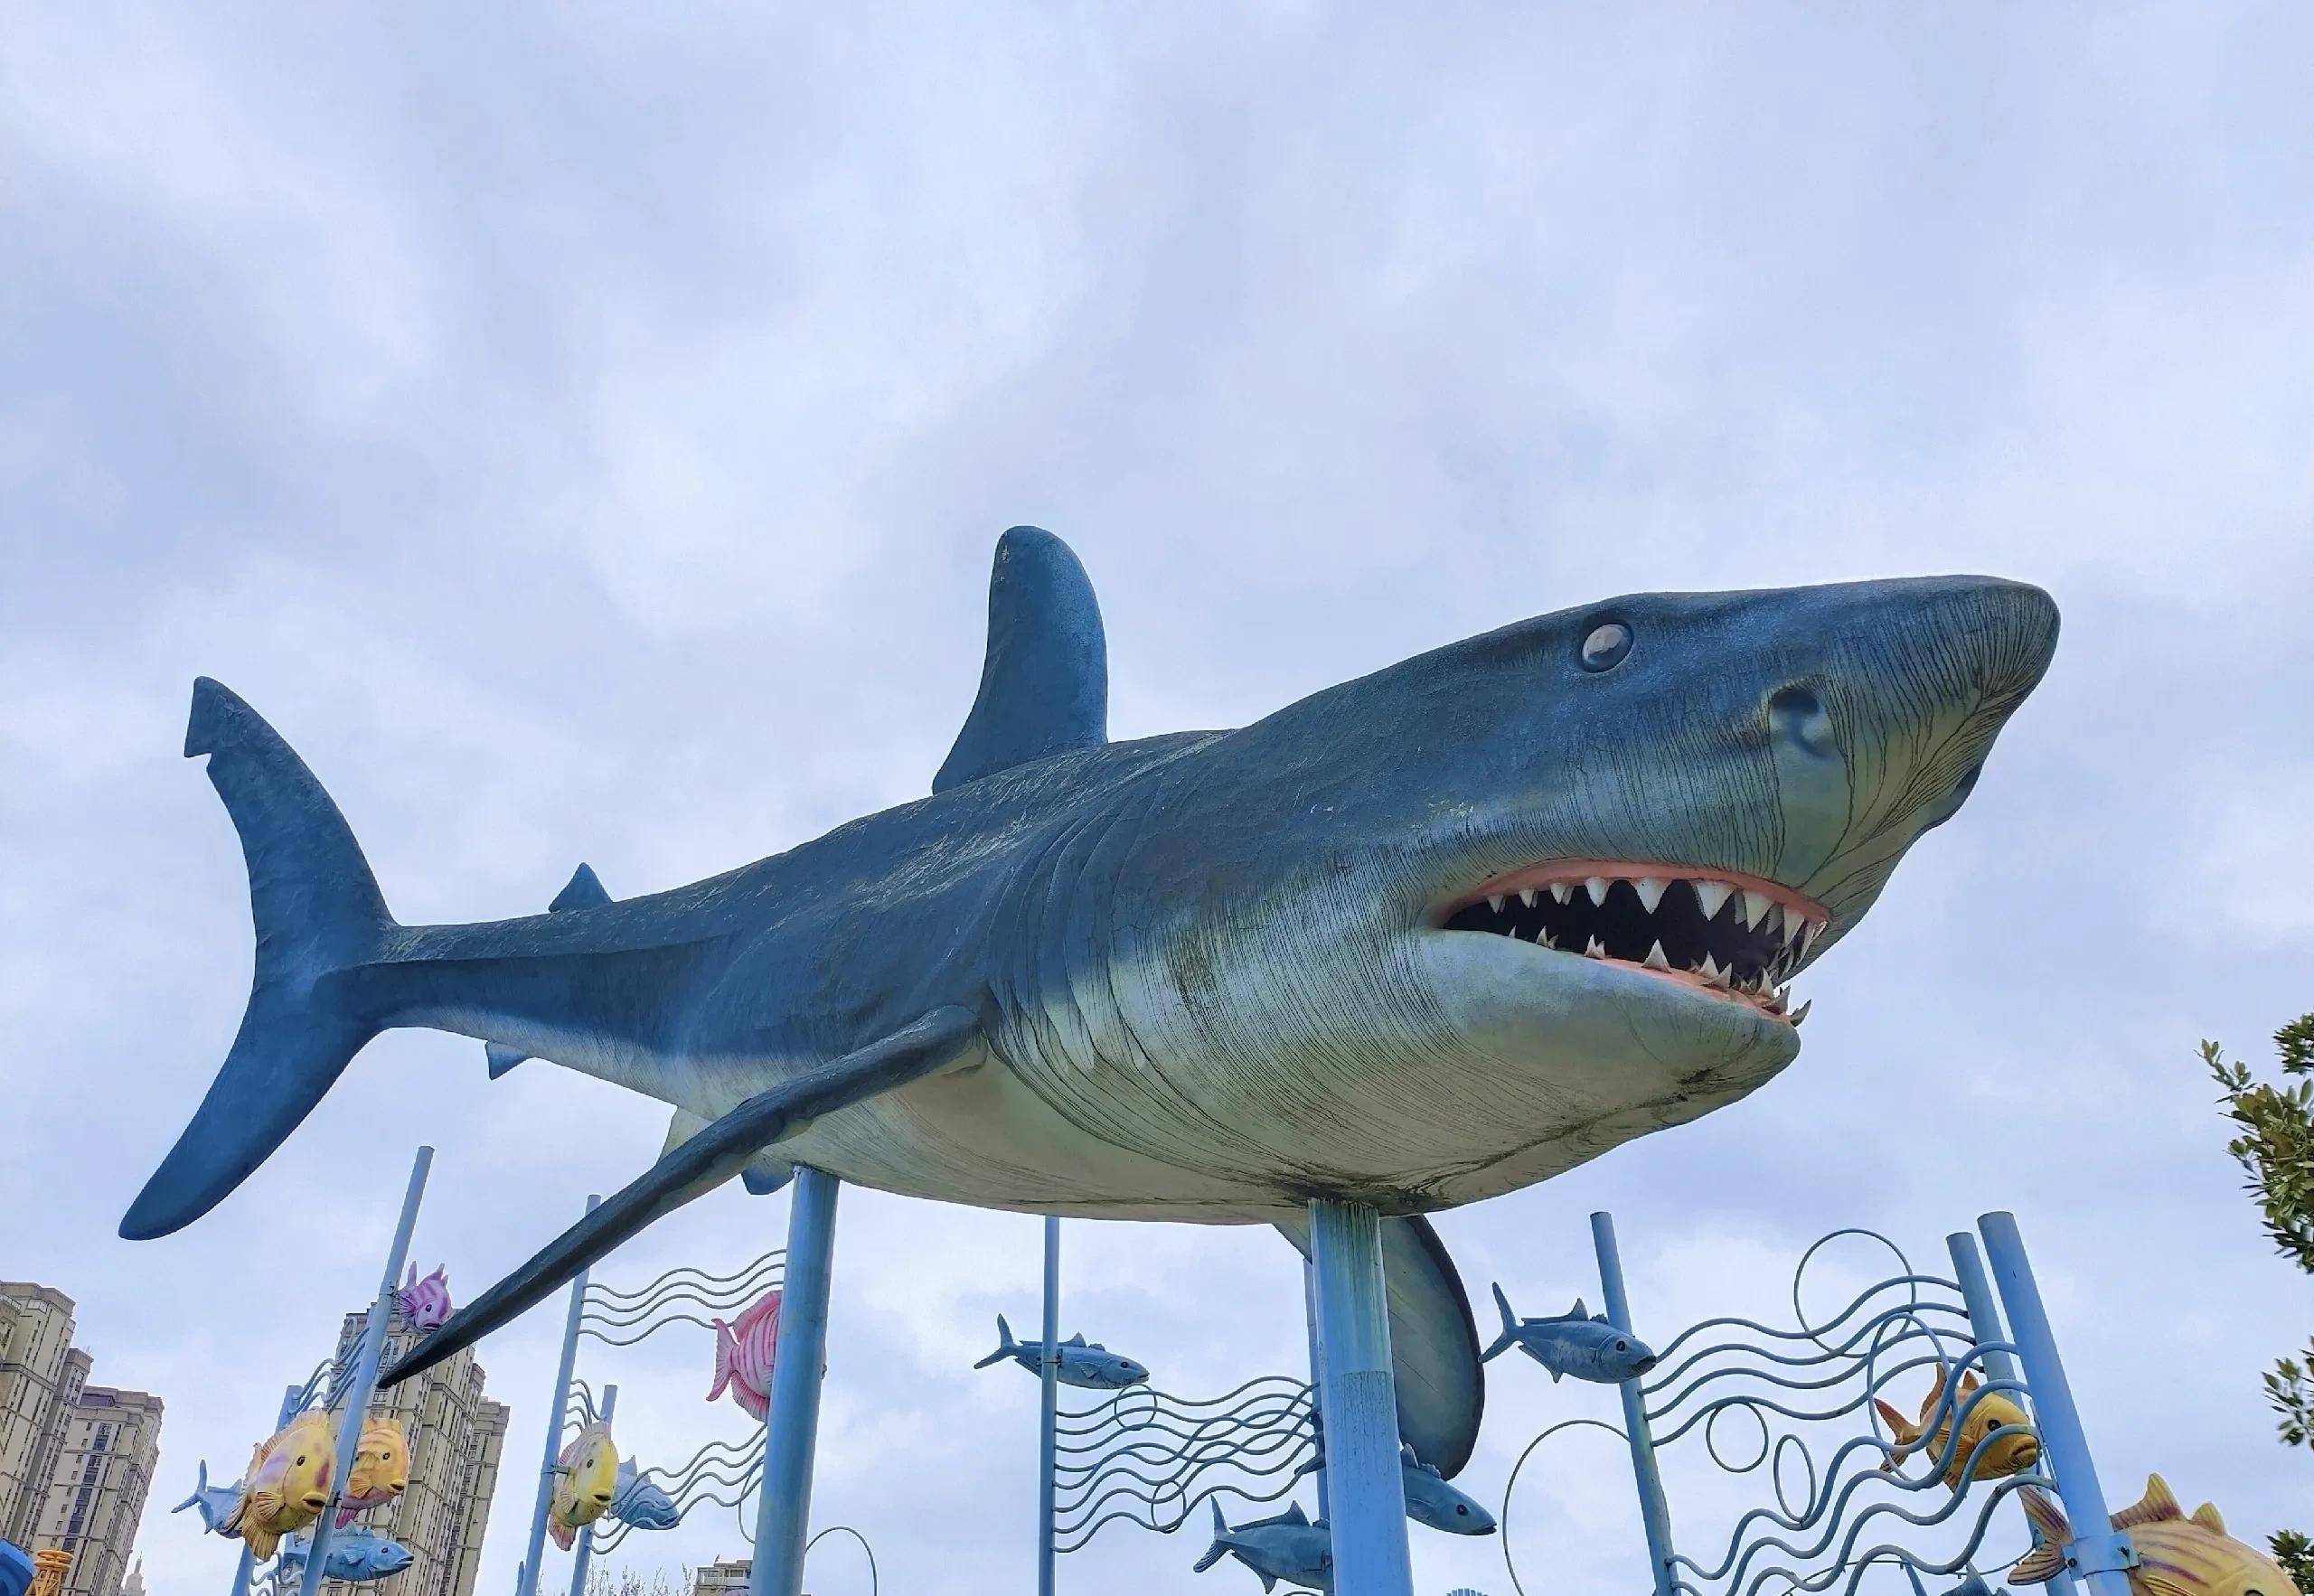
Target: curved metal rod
(1299, 1396)
(1768, 1377)
(600, 1305)
(864, 1546)
(1757, 1404)
(611, 1294)
(1847, 1348)
(1253, 1417)
(1848, 1558)
(648, 1330)
(1510, 1567)
(1080, 1538)
(1183, 1466)
(1735, 1572)
(720, 1299)
(1812, 1332)
(1258, 1443)
(1108, 1408)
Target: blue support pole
(526, 1582)
(2099, 1554)
(1048, 1439)
(784, 1511)
(1361, 1426)
(247, 1566)
(1654, 1512)
(1984, 1327)
(586, 1552)
(363, 1385)
(1317, 1377)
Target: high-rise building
(727, 1578)
(455, 1435)
(76, 1460)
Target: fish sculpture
(287, 1484)
(2009, 1454)
(2177, 1555)
(745, 1351)
(1082, 1363)
(1431, 1500)
(1574, 1343)
(639, 1501)
(353, 1556)
(1554, 883)
(425, 1304)
(213, 1502)
(1286, 1547)
(380, 1471)
(586, 1478)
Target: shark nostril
(1797, 714)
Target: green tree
(2274, 1144)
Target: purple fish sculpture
(426, 1303)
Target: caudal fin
(1005, 1345)
(1221, 1547)
(194, 1500)
(1509, 1337)
(318, 915)
(726, 1346)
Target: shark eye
(1606, 646)
(1461, 1511)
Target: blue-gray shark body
(1419, 939)
(1085, 1363)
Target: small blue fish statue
(1574, 1343)
(639, 1502)
(1287, 1547)
(214, 1502)
(355, 1556)
(1083, 1363)
(1431, 1500)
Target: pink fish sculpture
(426, 1303)
(743, 1355)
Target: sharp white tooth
(1526, 897)
(1712, 896)
(1753, 906)
(1597, 888)
(1655, 958)
(1795, 928)
(1562, 891)
(1545, 938)
(1592, 948)
(1650, 890)
(1494, 902)
(1782, 999)
(1809, 932)
(1800, 1013)
(1712, 974)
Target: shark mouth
(1735, 938)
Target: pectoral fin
(703, 1162)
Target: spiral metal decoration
(1148, 1458)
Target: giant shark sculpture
(1419, 939)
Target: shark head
(1456, 926)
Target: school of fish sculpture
(2177, 1555)
(425, 1303)
(213, 1502)
(286, 1485)
(1082, 1363)
(1980, 1416)
(745, 1352)
(1286, 1547)
(641, 1502)
(380, 1471)
(1574, 1343)
(353, 1555)
(586, 1477)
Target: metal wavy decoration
(1148, 1458)
(622, 1319)
(718, 1466)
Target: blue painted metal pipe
(1984, 1327)
(1361, 1426)
(1317, 1379)
(526, 1583)
(2099, 1555)
(1047, 1441)
(359, 1389)
(586, 1552)
(1654, 1512)
(783, 1511)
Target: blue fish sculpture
(1431, 1500)
(1575, 1343)
(1552, 883)
(1083, 1363)
(355, 1556)
(1286, 1547)
(213, 1502)
(640, 1502)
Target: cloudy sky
(582, 430)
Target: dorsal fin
(2157, 1506)
(2208, 1518)
(1044, 683)
(584, 890)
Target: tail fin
(194, 1500)
(318, 914)
(1509, 1337)
(1220, 1548)
(584, 890)
(726, 1347)
(1005, 1346)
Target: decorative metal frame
(1254, 1443)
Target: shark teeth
(1740, 941)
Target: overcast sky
(582, 431)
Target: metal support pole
(1361, 1427)
(247, 1566)
(1984, 1327)
(526, 1580)
(363, 1384)
(1048, 1439)
(1654, 1512)
(784, 1511)
(1317, 1376)
(586, 1552)
(2099, 1554)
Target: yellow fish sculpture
(585, 1477)
(380, 1471)
(2176, 1555)
(286, 1485)
(2012, 1454)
